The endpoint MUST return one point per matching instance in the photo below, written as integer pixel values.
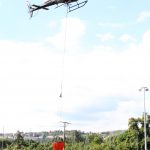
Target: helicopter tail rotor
(30, 9)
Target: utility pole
(144, 89)
(3, 140)
(137, 140)
(64, 125)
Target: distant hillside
(112, 133)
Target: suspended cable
(63, 61)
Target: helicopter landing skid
(76, 6)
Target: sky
(102, 63)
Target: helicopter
(47, 3)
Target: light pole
(144, 89)
(137, 140)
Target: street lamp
(144, 89)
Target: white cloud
(74, 30)
(30, 77)
(143, 16)
(115, 75)
(127, 38)
(28, 73)
(105, 37)
(146, 39)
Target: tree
(78, 136)
(95, 138)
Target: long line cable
(64, 53)
(60, 109)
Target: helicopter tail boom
(33, 8)
(39, 7)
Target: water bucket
(58, 146)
